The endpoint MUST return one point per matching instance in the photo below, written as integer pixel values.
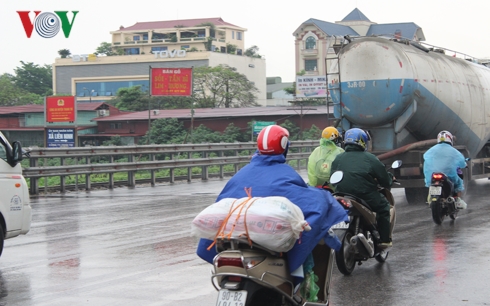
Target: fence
(108, 160)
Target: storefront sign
(171, 81)
(60, 109)
(311, 86)
(57, 138)
(167, 54)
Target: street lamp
(89, 94)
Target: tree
(165, 131)
(134, 99)
(105, 48)
(64, 53)
(34, 78)
(231, 49)
(253, 52)
(222, 86)
(11, 95)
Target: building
(276, 95)
(159, 44)
(27, 123)
(315, 40)
(132, 126)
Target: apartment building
(157, 44)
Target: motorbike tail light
(229, 261)
(345, 203)
(437, 176)
(251, 262)
(232, 278)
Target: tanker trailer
(404, 94)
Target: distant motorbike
(251, 275)
(360, 237)
(441, 197)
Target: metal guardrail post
(34, 162)
(204, 169)
(111, 175)
(131, 174)
(152, 172)
(221, 167)
(88, 184)
(63, 178)
(189, 169)
(171, 171)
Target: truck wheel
(416, 195)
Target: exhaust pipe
(361, 238)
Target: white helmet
(445, 136)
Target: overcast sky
(457, 25)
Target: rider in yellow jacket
(320, 160)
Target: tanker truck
(404, 93)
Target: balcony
(309, 52)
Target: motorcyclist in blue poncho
(269, 175)
(443, 157)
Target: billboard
(60, 137)
(60, 109)
(311, 86)
(171, 81)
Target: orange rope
(221, 231)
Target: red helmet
(273, 140)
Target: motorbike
(252, 275)
(360, 236)
(441, 197)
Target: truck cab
(15, 208)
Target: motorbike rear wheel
(346, 258)
(437, 211)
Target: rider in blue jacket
(443, 157)
(269, 175)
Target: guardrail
(87, 161)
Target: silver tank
(415, 94)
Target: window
(145, 36)
(185, 46)
(239, 51)
(136, 37)
(157, 49)
(3, 152)
(310, 65)
(131, 51)
(116, 126)
(232, 34)
(239, 35)
(310, 43)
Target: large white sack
(273, 222)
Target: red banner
(60, 109)
(171, 81)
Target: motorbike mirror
(396, 164)
(336, 177)
(467, 159)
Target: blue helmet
(357, 137)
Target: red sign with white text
(171, 81)
(60, 109)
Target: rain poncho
(444, 158)
(269, 175)
(320, 162)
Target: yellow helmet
(331, 133)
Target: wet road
(132, 247)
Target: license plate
(341, 225)
(435, 190)
(231, 298)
